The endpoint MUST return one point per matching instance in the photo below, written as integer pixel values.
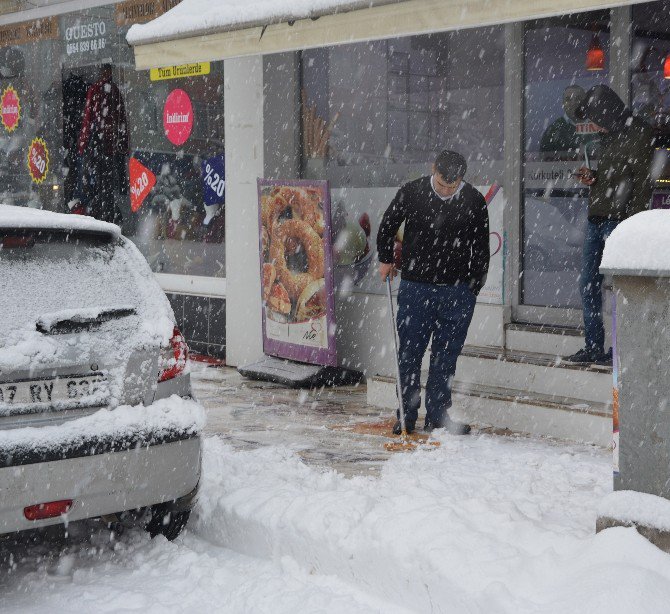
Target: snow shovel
(404, 442)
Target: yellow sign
(180, 71)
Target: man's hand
(585, 176)
(387, 270)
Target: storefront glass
(563, 58)
(650, 67)
(392, 105)
(375, 115)
(142, 149)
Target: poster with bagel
(297, 271)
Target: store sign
(142, 180)
(10, 109)
(178, 117)
(179, 71)
(297, 271)
(660, 200)
(38, 160)
(141, 11)
(29, 32)
(214, 181)
(84, 38)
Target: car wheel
(167, 523)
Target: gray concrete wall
(643, 344)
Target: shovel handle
(396, 345)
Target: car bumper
(108, 478)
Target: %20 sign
(214, 180)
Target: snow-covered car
(97, 418)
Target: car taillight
(173, 358)
(15, 242)
(47, 510)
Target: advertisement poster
(38, 160)
(178, 117)
(297, 271)
(142, 180)
(10, 109)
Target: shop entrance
(563, 58)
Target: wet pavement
(322, 425)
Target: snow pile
(636, 507)
(479, 525)
(197, 17)
(164, 417)
(639, 244)
(25, 217)
(483, 525)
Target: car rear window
(43, 272)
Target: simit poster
(297, 271)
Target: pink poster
(178, 117)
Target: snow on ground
(482, 524)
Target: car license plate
(57, 393)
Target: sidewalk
(249, 414)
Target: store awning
(198, 31)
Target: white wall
(243, 91)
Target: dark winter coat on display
(623, 183)
(444, 242)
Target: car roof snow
(25, 218)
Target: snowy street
(481, 524)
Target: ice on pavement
(639, 244)
(482, 524)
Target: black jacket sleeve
(394, 216)
(481, 252)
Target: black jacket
(623, 184)
(444, 242)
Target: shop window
(113, 142)
(650, 67)
(563, 58)
(389, 107)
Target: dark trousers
(591, 282)
(443, 313)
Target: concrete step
(534, 373)
(526, 393)
(551, 340)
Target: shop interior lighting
(595, 56)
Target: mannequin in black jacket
(445, 259)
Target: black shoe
(584, 356)
(605, 359)
(397, 427)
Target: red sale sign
(38, 160)
(10, 109)
(141, 182)
(178, 117)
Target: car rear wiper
(74, 320)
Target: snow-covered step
(524, 393)
(551, 340)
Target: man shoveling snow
(445, 260)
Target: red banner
(141, 182)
